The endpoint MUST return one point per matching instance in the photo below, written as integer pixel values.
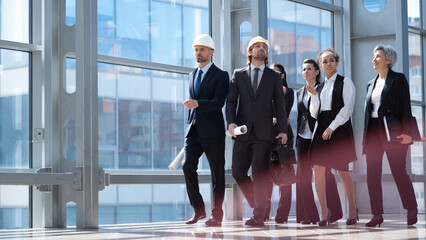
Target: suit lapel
(191, 84)
(300, 98)
(263, 79)
(390, 79)
(247, 81)
(207, 77)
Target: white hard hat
(255, 40)
(203, 40)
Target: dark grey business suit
(256, 111)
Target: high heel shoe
(376, 220)
(324, 222)
(352, 221)
(412, 216)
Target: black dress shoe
(255, 222)
(196, 217)
(279, 219)
(412, 216)
(213, 222)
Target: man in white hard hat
(255, 97)
(205, 131)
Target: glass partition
(297, 32)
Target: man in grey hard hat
(257, 91)
(205, 131)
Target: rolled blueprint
(240, 130)
(178, 160)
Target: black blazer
(243, 107)
(395, 102)
(211, 98)
(303, 114)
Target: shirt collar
(261, 67)
(205, 68)
(332, 78)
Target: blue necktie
(198, 83)
(256, 76)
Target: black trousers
(396, 154)
(254, 153)
(305, 203)
(215, 151)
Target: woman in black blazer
(306, 210)
(388, 96)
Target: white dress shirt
(306, 134)
(205, 69)
(326, 97)
(260, 73)
(376, 97)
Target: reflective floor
(394, 227)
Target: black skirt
(338, 151)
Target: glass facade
(416, 81)
(297, 32)
(141, 119)
(15, 110)
(151, 30)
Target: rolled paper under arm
(178, 160)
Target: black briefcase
(281, 162)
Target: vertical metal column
(86, 49)
(80, 107)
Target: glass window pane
(419, 190)
(374, 6)
(417, 149)
(148, 203)
(14, 20)
(14, 105)
(70, 77)
(245, 36)
(143, 110)
(151, 30)
(413, 8)
(14, 207)
(297, 32)
(415, 63)
(70, 12)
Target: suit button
(388, 110)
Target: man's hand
(405, 139)
(283, 137)
(231, 128)
(190, 103)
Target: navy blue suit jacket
(211, 98)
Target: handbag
(281, 163)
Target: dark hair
(328, 50)
(316, 66)
(282, 71)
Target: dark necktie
(198, 83)
(256, 76)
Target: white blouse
(326, 98)
(376, 97)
